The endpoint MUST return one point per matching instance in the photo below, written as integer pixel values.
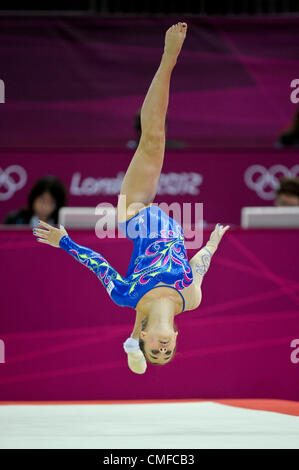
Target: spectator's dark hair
(289, 186)
(50, 184)
(141, 343)
(295, 124)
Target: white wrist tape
(131, 345)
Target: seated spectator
(132, 144)
(288, 192)
(45, 199)
(290, 137)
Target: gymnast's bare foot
(174, 39)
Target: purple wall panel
(79, 81)
(63, 334)
(224, 180)
(72, 87)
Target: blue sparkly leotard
(159, 255)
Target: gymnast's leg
(141, 179)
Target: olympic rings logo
(266, 182)
(7, 180)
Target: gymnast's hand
(51, 236)
(217, 234)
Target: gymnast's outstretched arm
(109, 277)
(115, 285)
(200, 263)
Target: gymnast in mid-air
(160, 282)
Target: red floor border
(279, 406)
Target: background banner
(79, 81)
(223, 180)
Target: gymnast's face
(158, 346)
